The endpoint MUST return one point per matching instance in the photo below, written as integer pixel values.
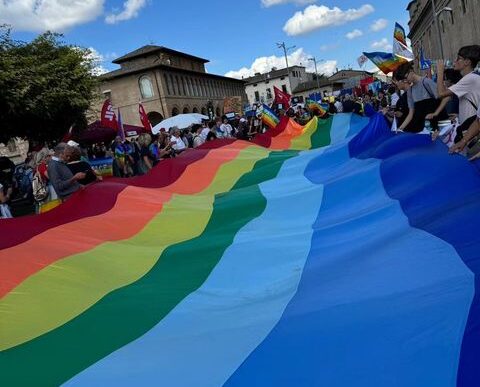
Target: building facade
(259, 88)
(458, 21)
(349, 78)
(167, 83)
(324, 86)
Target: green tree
(46, 86)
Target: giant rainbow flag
(335, 254)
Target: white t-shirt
(468, 92)
(227, 130)
(394, 99)
(204, 133)
(178, 143)
(339, 106)
(4, 209)
(198, 140)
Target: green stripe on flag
(129, 312)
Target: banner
(282, 98)
(425, 64)
(232, 105)
(144, 118)
(108, 117)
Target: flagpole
(285, 50)
(435, 18)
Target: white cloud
(298, 57)
(379, 25)
(54, 15)
(269, 3)
(383, 45)
(130, 10)
(98, 60)
(329, 47)
(354, 34)
(315, 17)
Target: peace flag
(385, 61)
(269, 118)
(399, 34)
(315, 106)
(332, 254)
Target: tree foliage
(46, 87)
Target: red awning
(96, 133)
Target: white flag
(399, 49)
(362, 60)
(395, 125)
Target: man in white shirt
(468, 88)
(204, 132)
(338, 105)
(226, 128)
(176, 141)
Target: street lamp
(314, 60)
(285, 51)
(435, 18)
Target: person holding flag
(269, 118)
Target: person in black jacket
(72, 156)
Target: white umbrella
(181, 121)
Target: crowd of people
(137, 156)
(411, 103)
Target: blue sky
(238, 37)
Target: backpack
(23, 176)
(40, 189)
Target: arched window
(195, 110)
(154, 118)
(185, 110)
(146, 87)
(174, 112)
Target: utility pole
(314, 60)
(285, 51)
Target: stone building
(349, 78)
(259, 88)
(459, 26)
(167, 83)
(324, 86)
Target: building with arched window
(166, 82)
(146, 87)
(459, 26)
